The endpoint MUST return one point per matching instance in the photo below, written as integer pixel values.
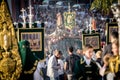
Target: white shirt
(52, 67)
(87, 60)
(61, 70)
(36, 74)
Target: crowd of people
(82, 21)
(82, 18)
(80, 64)
(85, 64)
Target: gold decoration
(80, 78)
(32, 69)
(82, 61)
(102, 5)
(69, 19)
(10, 61)
(114, 63)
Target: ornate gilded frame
(36, 38)
(69, 19)
(92, 39)
(110, 27)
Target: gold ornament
(10, 61)
(114, 63)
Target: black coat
(83, 71)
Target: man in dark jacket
(70, 63)
(86, 68)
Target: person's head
(99, 54)
(58, 54)
(115, 47)
(48, 54)
(113, 36)
(70, 50)
(88, 51)
(79, 51)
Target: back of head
(70, 49)
(57, 52)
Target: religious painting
(110, 28)
(92, 39)
(34, 36)
(69, 19)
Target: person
(70, 63)
(99, 60)
(111, 64)
(112, 61)
(29, 61)
(104, 69)
(53, 66)
(108, 48)
(61, 70)
(39, 74)
(86, 68)
(79, 52)
(99, 57)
